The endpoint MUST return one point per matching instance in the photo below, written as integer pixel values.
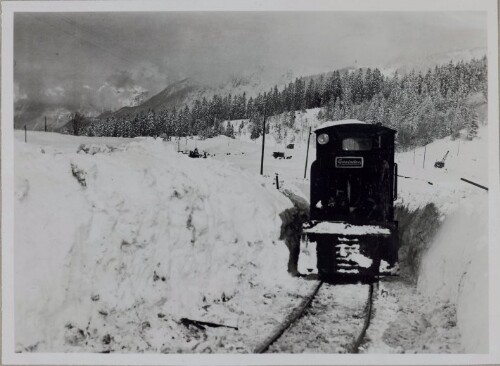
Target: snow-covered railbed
(332, 324)
(407, 321)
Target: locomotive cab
(353, 187)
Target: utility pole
(25, 134)
(307, 152)
(45, 123)
(425, 150)
(263, 143)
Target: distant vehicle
(353, 186)
(194, 153)
(278, 155)
(290, 146)
(440, 163)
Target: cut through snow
(127, 237)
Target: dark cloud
(109, 60)
(121, 79)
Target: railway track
(331, 319)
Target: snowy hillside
(281, 130)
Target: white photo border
(9, 8)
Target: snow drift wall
(444, 247)
(123, 232)
(444, 226)
(455, 269)
(416, 231)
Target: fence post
(45, 123)
(25, 134)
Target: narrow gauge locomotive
(353, 186)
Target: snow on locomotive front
(353, 188)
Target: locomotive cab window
(357, 143)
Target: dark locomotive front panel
(353, 187)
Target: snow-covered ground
(246, 153)
(118, 240)
(406, 320)
(331, 324)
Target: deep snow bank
(444, 227)
(455, 269)
(113, 235)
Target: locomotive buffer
(353, 188)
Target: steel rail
(289, 320)
(354, 348)
(298, 311)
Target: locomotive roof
(329, 124)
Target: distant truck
(195, 154)
(281, 155)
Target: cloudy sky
(107, 59)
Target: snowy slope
(296, 134)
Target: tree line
(421, 106)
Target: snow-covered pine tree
(473, 126)
(321, 95)
(255, 129)
(309, 96)
(77, 124)
(150, 123)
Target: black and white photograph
(250, 183)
